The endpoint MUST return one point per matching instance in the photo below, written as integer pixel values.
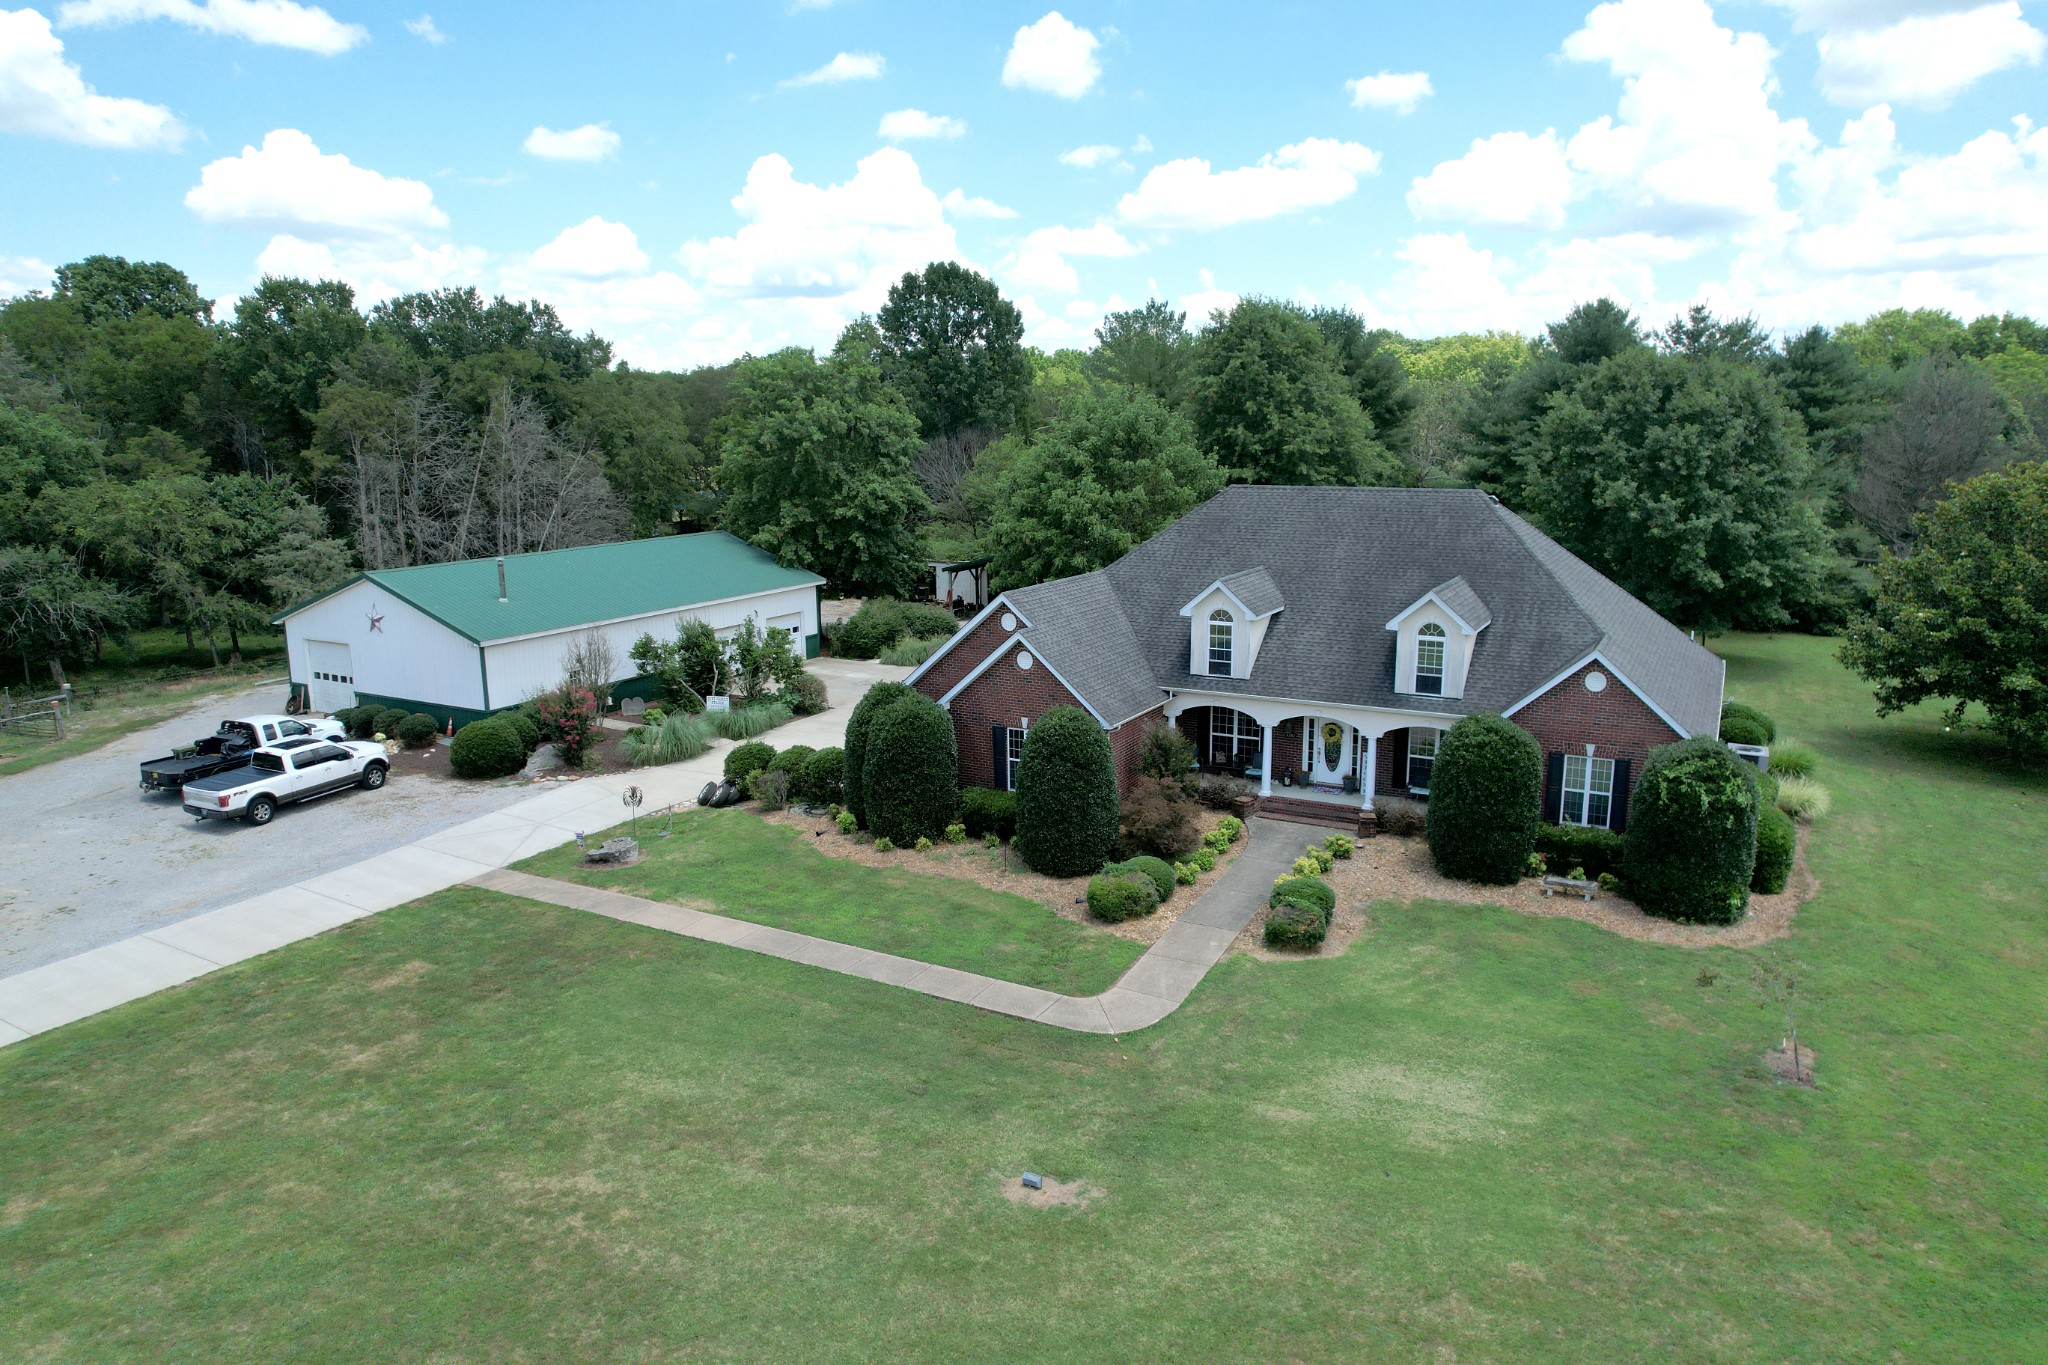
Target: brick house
(1319, 641)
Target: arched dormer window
(1429, 660)
(1222, 629)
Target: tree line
(160, 466)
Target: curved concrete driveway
(1153, 988)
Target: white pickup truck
(293, 770)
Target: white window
(1013, 754)
(1421, 758)
(1429, 661)
(1220, 629)
(1235, 739)
(1588, 791)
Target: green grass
(118, 711)
(480, 1129)
(737, 864)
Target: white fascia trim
(959, 635)
(1597, 657)
(1004, 648)
(1424, 601)
(1217, 586)
(640, 616)
(1310, 708)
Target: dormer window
(1221, 629)
(1429, 660)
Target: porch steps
(1363, 824)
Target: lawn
(736, 864)
(479, 1129)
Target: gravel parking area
(87, 859)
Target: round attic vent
(1009, 621)
(1596, 682)
(1023, 658)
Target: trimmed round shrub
(881, 695)
(820, 778)
(742, 761)
(987, 811)
(388, 720)
(1485, 800)
(1116, 897)
(1776, 841)
(360, 721)
(417, 730)
(1748, 721)
(1066, 795)
(486, 748)
(1315, 895)
(523, 726)
(1793, 759)
(911, 780)
(1289, 925)
(1691, 840)
(805, 694)
(1158, 869)
(791, 761)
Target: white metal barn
(462, 640)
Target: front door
(1330, 752)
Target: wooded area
(160, 466)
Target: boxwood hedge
(910, 781)
(874, 699)
(823, 772)
(1066, 794)
(1692, 829)
(988, 811)
(1565, 847)
(1485, 800)
(1744, 724)
(486, 748)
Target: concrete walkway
(1152, 989)
(48, 996)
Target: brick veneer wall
(967, 651)
(1124, 741)
(1004, 695)
(1616, 722)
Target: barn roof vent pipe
(501, 578)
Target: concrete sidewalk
(85, 984)
(1153, 988)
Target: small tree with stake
(1777, 983)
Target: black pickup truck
(230, 747)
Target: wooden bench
(1569, 886)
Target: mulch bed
(1396, 868)
(1000, 869)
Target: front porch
(1339, 810)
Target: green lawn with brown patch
(480, 1129)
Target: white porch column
(1368, 779)
(1266, 763)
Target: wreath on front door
(1333, 744)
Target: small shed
(462, 640)
(965, 583)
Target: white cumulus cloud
(591, 142)
(1399, 91)
(594, 249)
(1041, 262)
(426, 30)
(43, 95)
(847, 66)
(289, 185)
(1925, 59)
(961, 204)
(907, 125)
(1054, 56)
(20, 274)
(1093, 155)
(1201, 304)
(272, 23)
(1186, 193)
(1507, 178)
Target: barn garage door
(793, 625)
(334, 675)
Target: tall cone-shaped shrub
(911, 784)
(1066, 794)
(880, 695)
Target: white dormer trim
(1428, 598)
(1000, 603)
(1596, 657)
(1037, 657)
(1244, 613)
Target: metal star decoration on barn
(376, 620)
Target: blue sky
(699, 178)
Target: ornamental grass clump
(1691, 841)
(1066, 795)
(1802, 798)
(910, 781)
(677, 738)
(1485, 800)
(745, 722)
(1793, 759)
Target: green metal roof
(561, 589)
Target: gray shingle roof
(1256, 589)
(1464, 603)
(1345, 561)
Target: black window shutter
(1002, 751)
(1553, 791)
(1617, 809)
